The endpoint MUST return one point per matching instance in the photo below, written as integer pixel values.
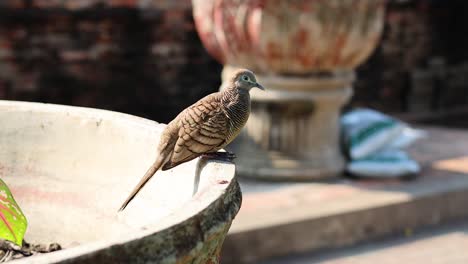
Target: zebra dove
(204, 127)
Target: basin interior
(71, 168)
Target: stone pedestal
(293, 129)
(304, 53)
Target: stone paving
(446, 245)
(278, 219)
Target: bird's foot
(228, 156)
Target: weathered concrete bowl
(70, 168)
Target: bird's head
(245, 79)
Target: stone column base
(293, 129)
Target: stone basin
(70, 168)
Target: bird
(204, 127)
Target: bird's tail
(151, 171)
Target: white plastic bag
(407, 136)
(374, 143)
(367, 131)
(385, 164)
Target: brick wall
(144, 57)
(422, 62)
(140, 57)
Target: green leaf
(13, 223)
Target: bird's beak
(259, 86)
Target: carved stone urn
(304, 52)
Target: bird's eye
(245, 78)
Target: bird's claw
(228, 156)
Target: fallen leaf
(13, 223)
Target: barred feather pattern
(237, 110)
(204, 127)
(209, 125)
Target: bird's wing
(204, 128)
